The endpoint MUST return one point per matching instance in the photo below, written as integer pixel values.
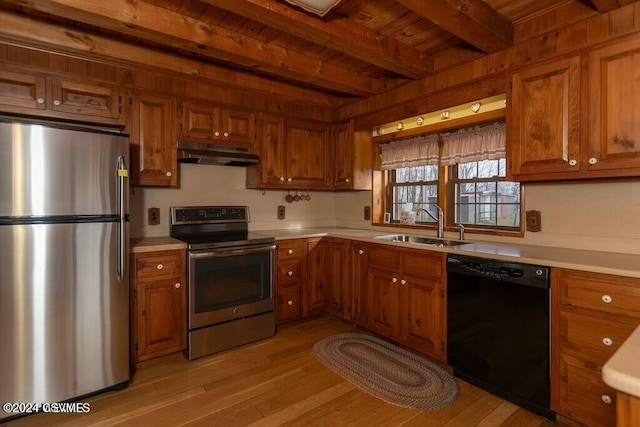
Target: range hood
(210, 154)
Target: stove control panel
(209, 214)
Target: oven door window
(231, 281)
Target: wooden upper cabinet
(342, 135)
(22, 90)
(31, 93)
(271, 145)
(211, 123)
(308, 155)
(614, 107)
(544, 121)
(85, 99)
(152, 142)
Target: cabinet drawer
(288, 304)
(160, 264)
(603, 292)
(422, 264)
(288, 272)
(584, 396)
(384, 258)
(291, 249)
(593, 337)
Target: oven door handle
(232, 252)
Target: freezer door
(64, 313)
(54, 171)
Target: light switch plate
(534, 221)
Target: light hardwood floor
(277, 381)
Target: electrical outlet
(367, 213)
(534, 221)
(281, 212)
(154, 216)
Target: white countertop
(594, 261)
(622, 371)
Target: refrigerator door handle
(120, 188)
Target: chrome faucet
(440, 219)
(461, 230)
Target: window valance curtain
(418, 151)
(473, 144)
(485, 142)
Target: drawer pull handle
(394, 280)
(403, 282)
(607, 299)
(607, 341)
(177, 285)
(361, 252)
(236, 311)
(593, 161)
(290, 302)
(216, 133)
(290, 273)
(573, 162)
(290, 251)
(606, 399)
(56, 102)
(40, 100)
(282, 179)
(159, 266)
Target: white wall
(225, 185)
(597, 215)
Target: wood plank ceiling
(359, 49)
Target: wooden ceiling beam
(473, 21)
(339, 34)
(25, 31)
(159, 25)
(603, 6)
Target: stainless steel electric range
(230, 277)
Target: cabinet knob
(40, 100)
(159, 266)
(56, 102)
(177, 285)
(290, 273)
(347, 180)
(573, 162)
(403, 282)
(606, 399)
(168, 173)
(216, 133)
(226, 134)
(290, 302)
(289, 180)
(607, 341)
(282, 179)
(236, 311)
(360, 252)
(593, 161)
(290, 251)
(607, 299)
(394, 280)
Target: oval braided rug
(388, 372)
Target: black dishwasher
(498, 328)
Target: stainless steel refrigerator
(64, 288)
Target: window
(414, 188)
(478, 194)
(482, 197)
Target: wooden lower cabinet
(158, 304)
(403, 294)
(592, 315)
(291, 257)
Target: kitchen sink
(422, 240)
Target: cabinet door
(162, 318)
(85, 99)
(335, 264)
(308, 155)
(289, 304)
(342, 136)
(383, 303)
(153, 154)
(199, 121)
(238, 127)
(22, 90)
(318, 277)
(272, 167)
(544, 121)
(614, 103)
(358, 282)
(421, 314)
